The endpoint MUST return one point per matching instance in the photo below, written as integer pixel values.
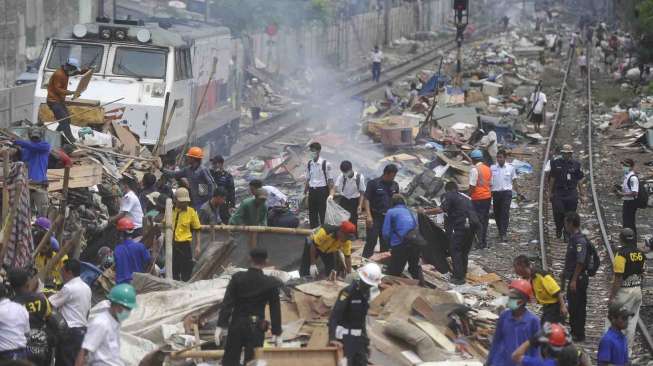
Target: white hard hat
(74, 62)
(370, 274)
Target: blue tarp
(432, 84)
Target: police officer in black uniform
(378, 195)
(243, 310)
(461, 225)
(565, 176)
(347, 321)
(575, 272)
(224, 179)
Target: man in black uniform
(243, 310)
(565, 177)
(461, 225)
(348, 317)
(378, 195)
(224, 179)
(575, 272)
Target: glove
(278, 341)
(220, 334)
(314, 271)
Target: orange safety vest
(482, 189)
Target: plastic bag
(335, 214)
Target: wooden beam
(46, 238)
(324, 356)
(44, 275)
(168, 238)
(207, 355)
(256, 229)
(5, 187)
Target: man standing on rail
(575, 272)
(565, 178)
(629, 192)
(628, 271)
(503, 175)
(538, 107)
(480, 179)
(57, 92)
(377, 58)
(319, 182)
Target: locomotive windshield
(88, 55)
(140, 63)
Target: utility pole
(461, 19)
(386, 21)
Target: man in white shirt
(490, 144)
(14, 326)
(276, 198)
(73, 302)
(538, 105)
(101, 344)
(629, 191)
(503, 175)
(319, 180)
(130, 206)
(582, 64)
(350, 187)
(377, 58)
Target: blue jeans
(60, 112)
(376, 71)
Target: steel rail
(547, 157)
(595, 197)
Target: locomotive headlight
(158, 90)
(121, 35)
(105, 34)
(144, 35)
(80, 31)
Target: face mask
(626, 169)
(122, 316)
(513, 304)
(350, 174)
(314, 154)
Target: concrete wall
(16, 104)
(346, 43)
(25, 24)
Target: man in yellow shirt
(629, 268)
(324, 243)
(185, 224)
(46, 253)
(546, 289)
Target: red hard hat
(347, 227)
(558, 336)
(523, 286)
(125, 224)
(195, 152)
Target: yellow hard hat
(182, 195)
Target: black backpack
(593, 259)
(324, 170)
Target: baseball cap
(566, 148)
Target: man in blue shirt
(613, 348)
(515, 326)
(398, 223)
(130, 256)
(35, 154)
(555, 345)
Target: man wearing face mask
(347, 321)
(565, 178)
(57, 92)
(629, 191)
(515, 326)
(350, 187)
(101, 344)
(319, 181)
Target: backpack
(344, 181)
(593, 259)
(642, 198)
(324, 169)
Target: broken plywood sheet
(435, 334)
(483, 279)
(326, 356)
(328, 290)
(83, 83)
(81, 176)
(304, 305)
(466, 115)
(129, 142)
(291, 330)
(319, 338)
(459, 165)
(400, 304)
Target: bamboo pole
(46, 238)
(256, 229)
(214, 354)
(5, 187)
(168, 238)
(9, 222)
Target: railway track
(566, 130)
(283, 123)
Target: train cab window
(89, 55)
(183, 67)
(140, 63)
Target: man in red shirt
(57, 92)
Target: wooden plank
(326, 356)
(435, 334)
(319, 338)
(131, 145)
(304, 305)
(81, 176)
(83, 83)
(80, 115)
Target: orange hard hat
(522, 286)
(125, 224)
(558, 336)
(195, 152)
(347, 227)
